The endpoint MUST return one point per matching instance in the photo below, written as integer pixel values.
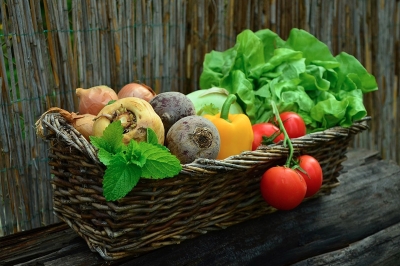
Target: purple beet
(172, 106)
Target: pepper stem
(283, 130)
(227, 105)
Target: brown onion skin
(92, 100)
(84, 124)
(138, 90)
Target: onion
(82, 123)
(137, 90)
(92, 100)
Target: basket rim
(63, 130)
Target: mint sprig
(126, 164)
(119, 178)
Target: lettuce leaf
(299, 74)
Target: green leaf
(299, 74)
(105, 153)
(250, 52)
(270, 41)
(313, 79)
(105, 157)
(329, 112)
(113, 134)
(99, 142)
(119, 178)
(134, 154)
(110, 143)
(216, 65)
(349, 64)
(281, 56)
(126, 164)
(243, 88)
(309, 45)
(151, 136)
(159, 162)
(355, 111)
(111, 140)
(326, 64)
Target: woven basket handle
(55, 123)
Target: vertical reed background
(50, 48)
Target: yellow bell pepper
(235, 130)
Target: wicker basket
(207, 195)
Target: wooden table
(357, 224)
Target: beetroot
(172, 106)
(193, 137)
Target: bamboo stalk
(139, 29)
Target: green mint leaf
(105, 156)
(111, 140)
(151, 136)
(120, 177)
(105, 152)
(100, 143)
(126, 164)
(110, 143)
(160, 163)
(134, 154)
(113, 134)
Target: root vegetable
(172, 106)
(193, 137)
(84, 124)
(133, 89)
(92, 100)
(135, 114)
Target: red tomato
(293, 123)
(267, 130)
(314, 175)
(283, 188)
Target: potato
(193, 137)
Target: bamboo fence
(50, 48)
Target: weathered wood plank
(76, 254)
(34, 243)
(358, 157)
(378, 249)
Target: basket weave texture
(207, 195)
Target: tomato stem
(282, 128)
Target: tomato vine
(286, 140)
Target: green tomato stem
(226, 106)
(282, 128)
